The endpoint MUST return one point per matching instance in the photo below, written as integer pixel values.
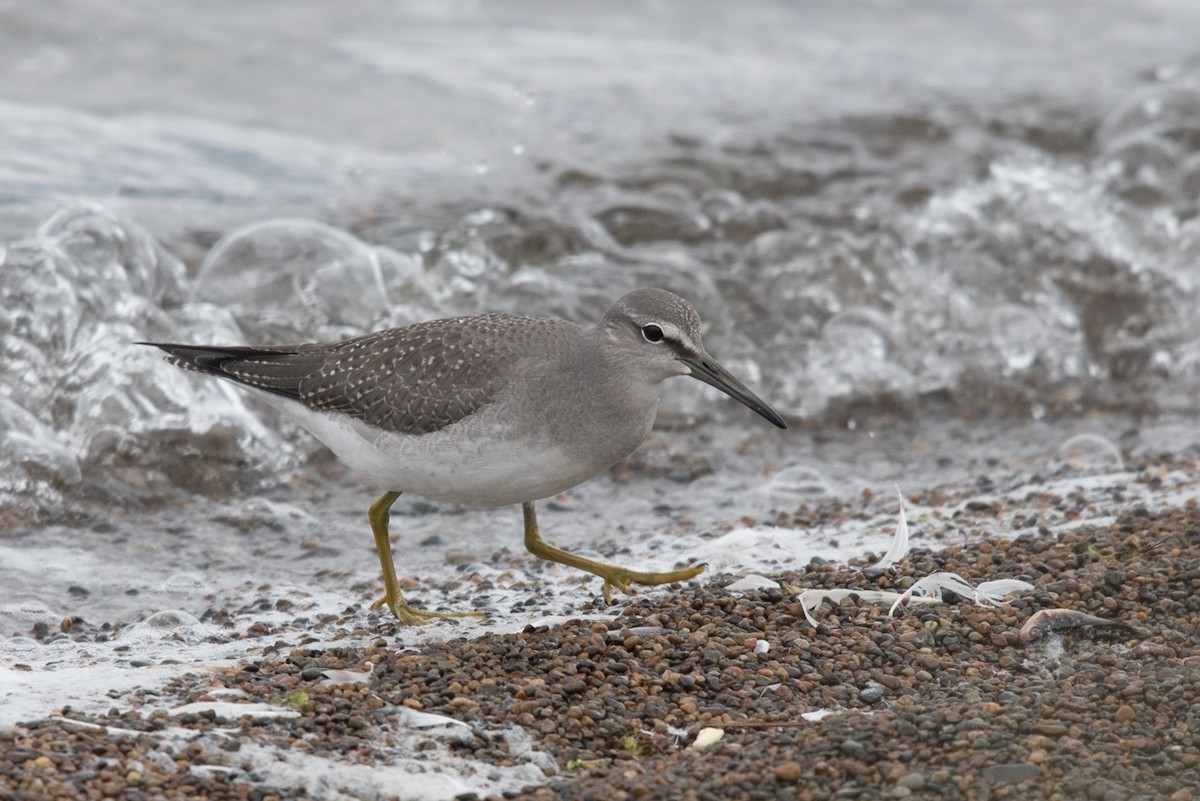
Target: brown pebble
(788, 772)
(607, 708)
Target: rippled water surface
(921, 214)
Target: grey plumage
(486, 410)
(412, 380)
(421, 378)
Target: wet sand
(945, 700)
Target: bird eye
(652, 333)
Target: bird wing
(412, 380)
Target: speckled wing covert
(413, 380)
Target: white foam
(767, 548)
(434, 776)
(232, 710)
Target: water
(968, 228)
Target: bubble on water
(807, 277)
(20, 646)
(408, 289)
(1171, 110)
(1090, 453)
(291, 280)
(257, 513)
(186, 583)
(79, 403)
(462, 276)
(1018, 335)
(853, 358)
(23, 615)
(171, 624)
(29, 612)
(110, 261)
(1145, 169)
(169, 619)
(799, 483)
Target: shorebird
(486, 410)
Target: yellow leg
(613, 576)
(379, 515)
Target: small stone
(1011, 773)
(873, 694)
(706, 737)
(1124, 714)
(788, 772)
(852, 748)
(912, 781)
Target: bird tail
(276, 370)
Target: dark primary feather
(414, 380)
(274, 369)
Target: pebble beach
(955, 245)
(1084, 687)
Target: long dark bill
(706, 369)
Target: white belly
(472, 463)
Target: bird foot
(622, 578)
(412, 616)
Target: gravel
(940, 701)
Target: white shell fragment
(706, 737)
(334, 677)
(753, 581)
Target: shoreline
(939, 701)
